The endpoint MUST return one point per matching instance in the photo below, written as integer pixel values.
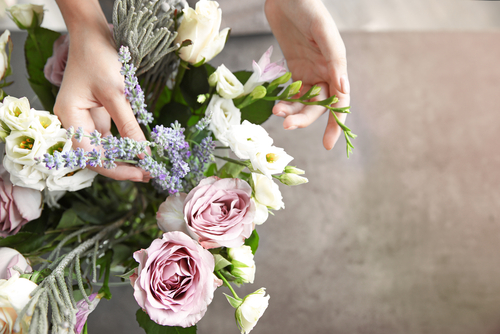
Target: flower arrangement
(192, 228)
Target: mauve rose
(55, 66)
(18, 205)
(174, 282)
(220, 212)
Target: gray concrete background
(402, 237)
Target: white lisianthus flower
(264, 71)
(251, 310)
(4, 56)
(170, 215)
(243, 263)
(270, 160)
(14, 295)
(26, 15)
(70, 179)
(24, 146)
(45, 122)
(16, 113)
(261, 212)
(267, 192)
(227, 84)
(201, 26)
(224, 116)
(52, 197)
(248, 138)
(24, 176)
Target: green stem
(226, 283)
(33, 37)
(237, 162)
(180, 74)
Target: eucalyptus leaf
(150, 327)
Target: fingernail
(281, 114)
(344, 84)
(293, 127)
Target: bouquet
(66, 231)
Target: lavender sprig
(133, 90)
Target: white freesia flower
(224, 116)
(201, 26)
(170, 215)
(24, 176)
(248, 138)
(261, 212)
(16, 113)
(264, 71)
(251, 310)
(267, 192)
(4, 56)
(26, 15)
(227, 84)
(14, 295)
(243, 263)
(24, 146)
(70, 179)
(270, 160)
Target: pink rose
(10, 258)
(174, 282)
(55, 66)
(220, 212)
(18, 205)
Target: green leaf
(105, 263)
(69, 219)
(91, 214)
(26, 242)
(233, 301)
(210, 69)
(211, 170)
(193, 120)
(164, 98)
(230, 170)
(150, 327)
(127, 274)
(243, 76)
(220, 262)
(37, 49)
(194, 83)
(253, 241)
(174, 111)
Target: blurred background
(404, 236)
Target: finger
(309, 113)
(102, 120)
(284, 109)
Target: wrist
(83, 17)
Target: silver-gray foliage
(147, 27)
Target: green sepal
(235, 303)
(127, 274)
(238, 264)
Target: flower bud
(282, 79)
(251, 310)
(294, 170)
(295, 88)
(201, 98)
(4, 132)
(212, 79)
(243, 264)
(258, 92)
(292, 179)
(5, 57)
(26, 16)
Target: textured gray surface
(404, 236)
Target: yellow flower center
(27, 143)
(271, 157)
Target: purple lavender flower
(95, 138)
(79, 134)
(94, 158)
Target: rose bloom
(220, 212)
(14, 295)
(201, 26)
(170, 215)
(174, 282)
(18, 205)
(55, 66)
(10, 258)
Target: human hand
(92, 90)
(315, 54)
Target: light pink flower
(84, 309)
(18, 205)
(10, 258)
(174, 282)
(55, 66)
(220, 212)
(264, 71)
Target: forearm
(83, 17)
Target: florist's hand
(315, 54)
(92, 90)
